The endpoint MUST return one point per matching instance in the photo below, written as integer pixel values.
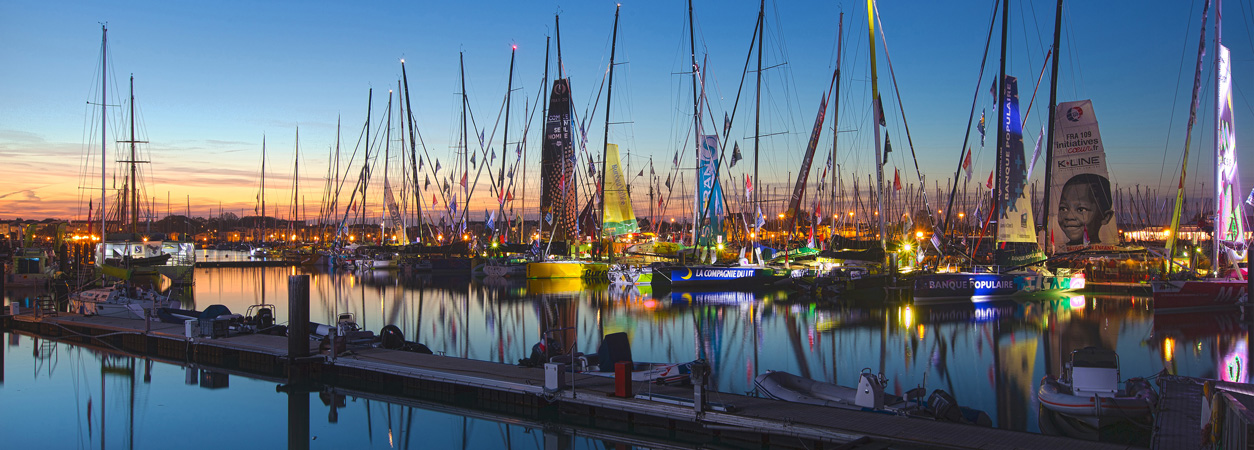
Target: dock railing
(1231, 421)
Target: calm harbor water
(991, 356)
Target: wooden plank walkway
(1178, 423)
(589, 397)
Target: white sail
(1081, 208)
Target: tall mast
(291, 226)
(1214, 261)
(365, 168)
(1049, 135)
(134, 193)
(465, 137)
(500, 185)
(995, 211)
(696, 123)
(104, 130)
(757, 129)
(387, 154)
(413, 150)
(544, 112)
(879, 110)
(263, 188)
(606, 149)
(840, 34)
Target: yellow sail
(619, 217)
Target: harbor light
(918, 235)
(905, 247)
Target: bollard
(13, 308)
(298, 316)
(622, 379)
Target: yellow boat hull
(566, 269)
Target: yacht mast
(606, 148)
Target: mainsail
(557, 159)
(794, 203)
(708, 191)
(1230, 219)
(1015, 225)
(1080, 203)
(619, 217)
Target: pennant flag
(936, 241)
(481, 132)
(989, 184)
(490, 219)
(748, 186)
(437, 165)
(510, 195)
(668, 181)
(472, 161)
(427, 183)
(735, 154)
(583, 134)
(452, 205)
(659, 202)
(434, 201)
(888, 148)
(761, 220)
(1248, 200)
(818, 214)
(641, 174)
(1036, 154)
(726, 124)
(494, 154)
(651, 172)
(981, 127)
(675, 161)
(896, 179)
(464, 179)
(879, 112)
(992, 90)
(548, 218)
(419, 163)
(592, 169)
(966, 165)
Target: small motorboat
(121, 300)
(1089, 389)
(869, 396)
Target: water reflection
(990, 356)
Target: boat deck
(660, 411)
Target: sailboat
(709, 212)
(558, 188)
(129, 254)
(1016, 240)
(1223, 287)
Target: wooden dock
(512, 391)
(1178, 423)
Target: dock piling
(298, 316)
(700, 375)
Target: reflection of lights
(921, 329)
(1233, 369)
(1169, 349)
(907, 317)
(1078, 302)
(650, 304)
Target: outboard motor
(614, 349)
(392, 338)
(870, 390)
(264, 318)
(944, 407)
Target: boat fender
(392, 337)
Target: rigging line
(1175, 96)
(970, 118)
(897, 93)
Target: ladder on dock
(45, 306)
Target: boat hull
(1199, 294)
(990, 286)
(566, 269)
(1057, 397)
(714, 277)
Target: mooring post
(699, 375)
(298, 411)
(298, 316)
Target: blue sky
(212, 79)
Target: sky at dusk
(213, 79)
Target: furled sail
(1230, 223)
(709, 192)
(1015, 225)
(394, 213)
